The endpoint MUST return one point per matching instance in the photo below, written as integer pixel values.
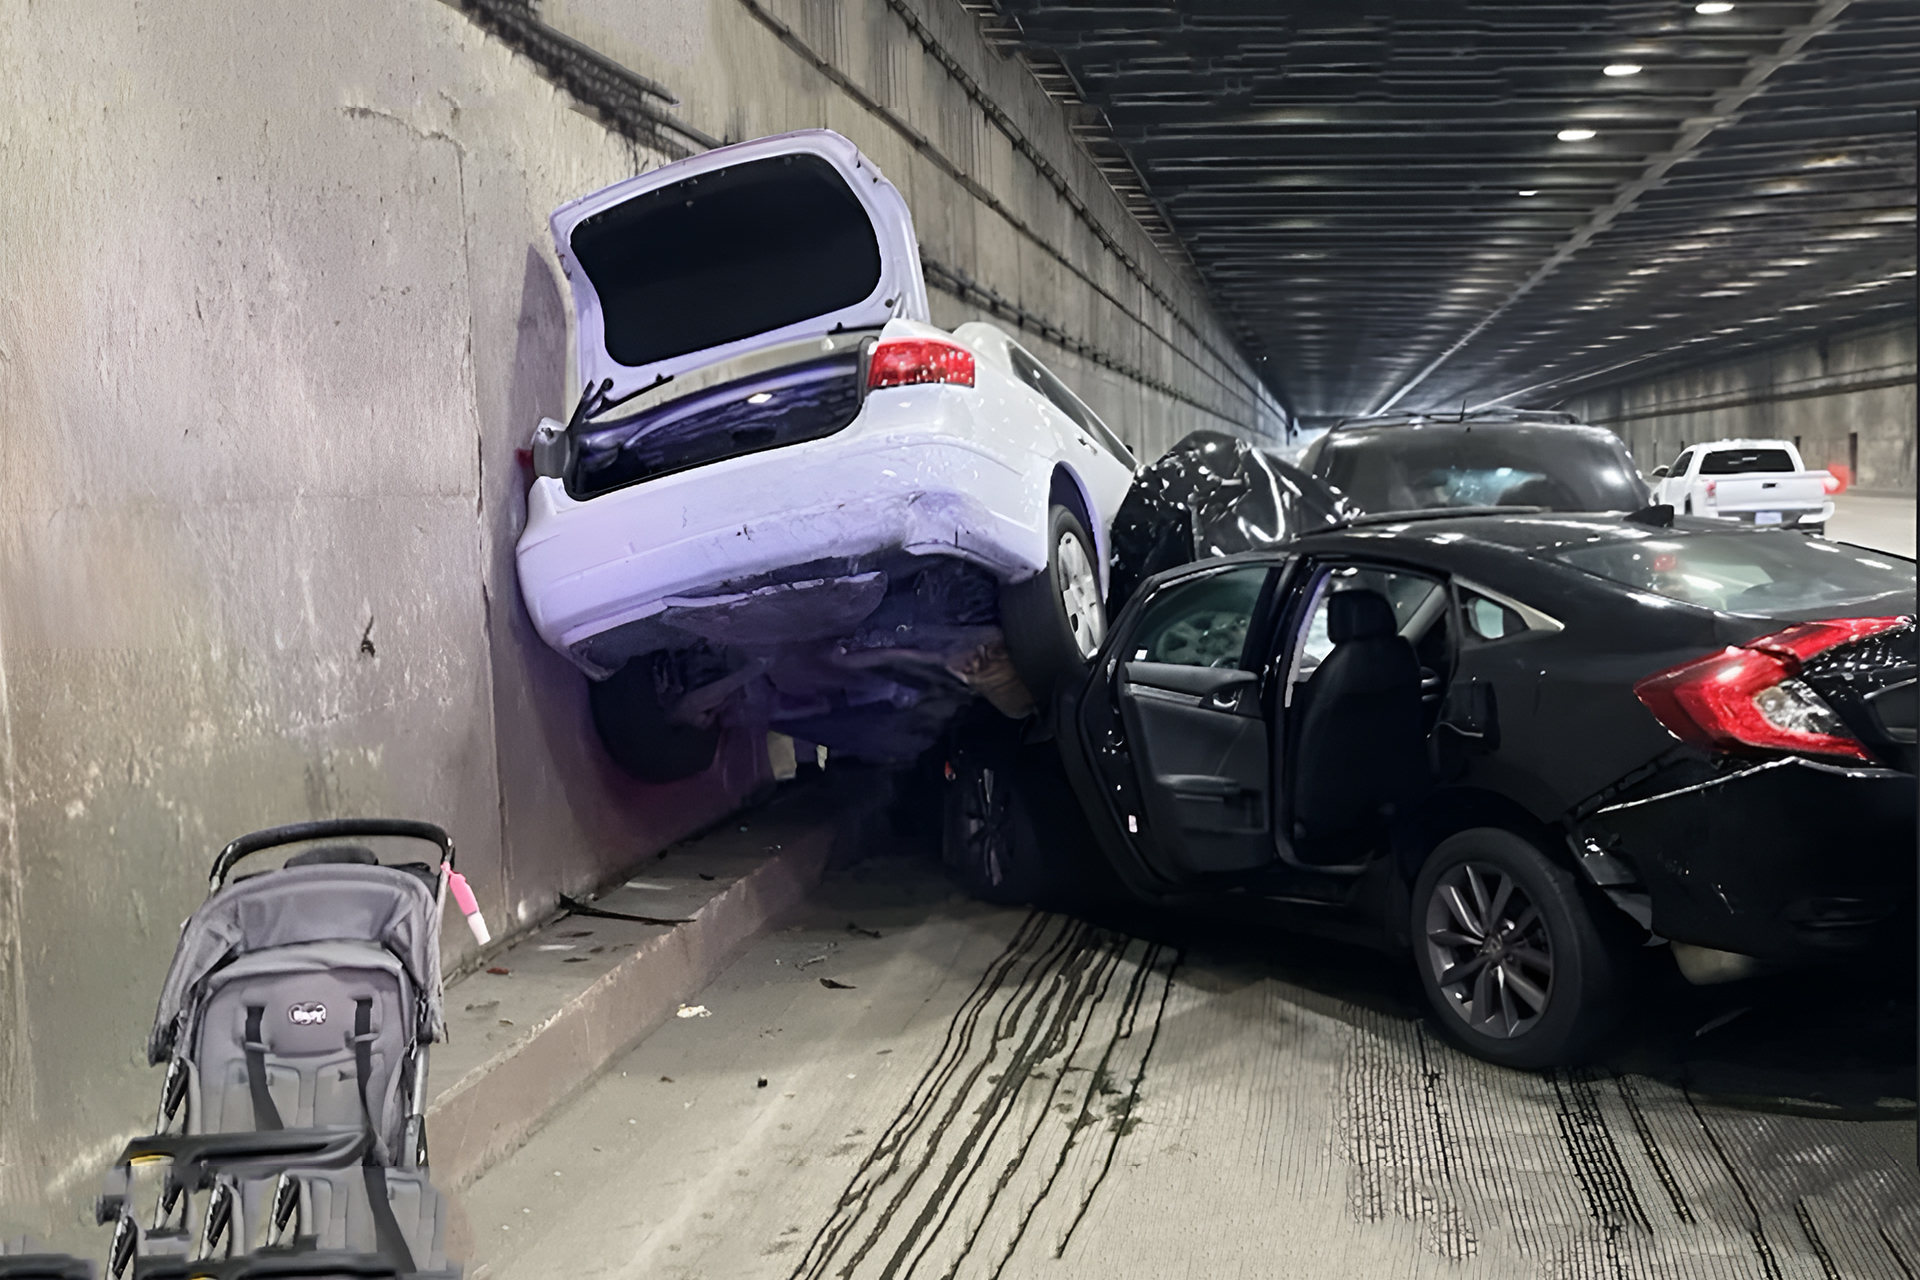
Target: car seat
(1360, 752)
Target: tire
(1055, 620)
(1547, 1002)
(1686, 507)
(634, 728)
(988, 838)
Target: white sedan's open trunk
(746, 247)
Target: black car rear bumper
(1790, 861)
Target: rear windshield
(1734, 462)
(1764, 572)
(1418, 469)
(727, 255)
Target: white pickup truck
(1753, 481)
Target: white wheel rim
(1080, 595)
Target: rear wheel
(1056, 619)
(632, 722)
(1510, 959)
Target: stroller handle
(327, 829)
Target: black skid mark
(1630, 1097)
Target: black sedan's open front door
(1198, 743)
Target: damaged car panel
(786, 499)
(1641, 734)
(1213, 495)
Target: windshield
(1762, 573)
(1422, 468)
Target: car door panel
(1195, 738)
(1204, 765)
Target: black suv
(1492, 458)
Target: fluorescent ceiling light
(1713, 6)
(1575, 135)
(1621, 69)
(1527, 193)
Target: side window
(1042, 379)
(1203, 622)
(1489, 619)
(1680, 465)
(1419, 607)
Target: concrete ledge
(579, 991)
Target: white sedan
(787, 498)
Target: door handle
(1200, 784)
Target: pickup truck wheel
(1514, 966)
(633, 725)
(1686, 507)
(1055, 620)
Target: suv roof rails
(1401, 419)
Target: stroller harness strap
(386, 1227)
(265, 1114)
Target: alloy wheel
(1489, 950)
(986, 826)
(1080, 595)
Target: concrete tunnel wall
(277, 308)
(1846, 399)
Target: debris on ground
(693, 1011)
(502, 972)
(865, 933)
(831, 985)
(577, 908)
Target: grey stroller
(294, 1025)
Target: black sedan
(1519, 745)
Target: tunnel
(849, 516)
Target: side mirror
(1659, 472)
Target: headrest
(1359, 615)
(351, 853)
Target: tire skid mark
(1085, 968)
(1813, 1238)
(1057, 952)
(1755, 1228)
(1399, 1135)
(1899, 1259)
(1001, 1094)
(1650, 1146)
(1124, 1119)
(1109, 967)
(970, 1156)
(926, 1092)
(1122, 1030)
(1603, 1177)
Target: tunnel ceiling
(1380, 200)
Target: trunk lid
(741, 248)
(1769, 491)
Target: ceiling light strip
(1690, 138)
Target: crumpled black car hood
(1213, 495)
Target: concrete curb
(499, 1087)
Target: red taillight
(902, 362)
(1713, 488)
(1750, 696)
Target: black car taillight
(1749, 696)
(901, 362)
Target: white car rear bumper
(877, 485)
